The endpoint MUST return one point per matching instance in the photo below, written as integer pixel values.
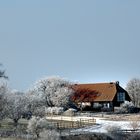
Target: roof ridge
(95, 83)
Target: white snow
(101, 124)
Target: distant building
(100, 96)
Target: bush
(114, 132)
(134, 125)
(36, 125)
(54, 110)
(134, 136)
(39, 111)
(126, 107)
(113, 129)
(93, 136)
(50, 135)
(70, 112)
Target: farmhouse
(104, 96)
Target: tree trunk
(16, 122)
(37, 134)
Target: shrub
(36, 125)
(114, 132)
(54, 110)
(133, 136)
(39, 111)
(70, 112)
(113, 129)
(126, 107)
(50, 135)
(134, 125)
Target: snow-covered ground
(101, 124)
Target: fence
(70, 122)
(130, 130)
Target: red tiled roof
(95, 92)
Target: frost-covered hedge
(126, 107)
(54, 110)
(36, 125)
(70, 112)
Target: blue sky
(81, 40)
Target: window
(106, 105)
(120, 96)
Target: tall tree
(3, 100)
(55, 91)
(36, 103)
(16, 105)
(133, 88)
(3, 91)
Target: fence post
(80, 122)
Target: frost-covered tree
(3, 91)
(16, 105)
(3, 100)
(133, 88)
(40, 127)
(36, 103)
(54, 91)
(2, 73)
(54, 110)
(36, 125)
(50, 134)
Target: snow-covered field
(101, 124)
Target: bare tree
(133, 88)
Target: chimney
(117, 82)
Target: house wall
(120, 89)
(103, 106)
(127, 97)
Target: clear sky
(81, 40)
